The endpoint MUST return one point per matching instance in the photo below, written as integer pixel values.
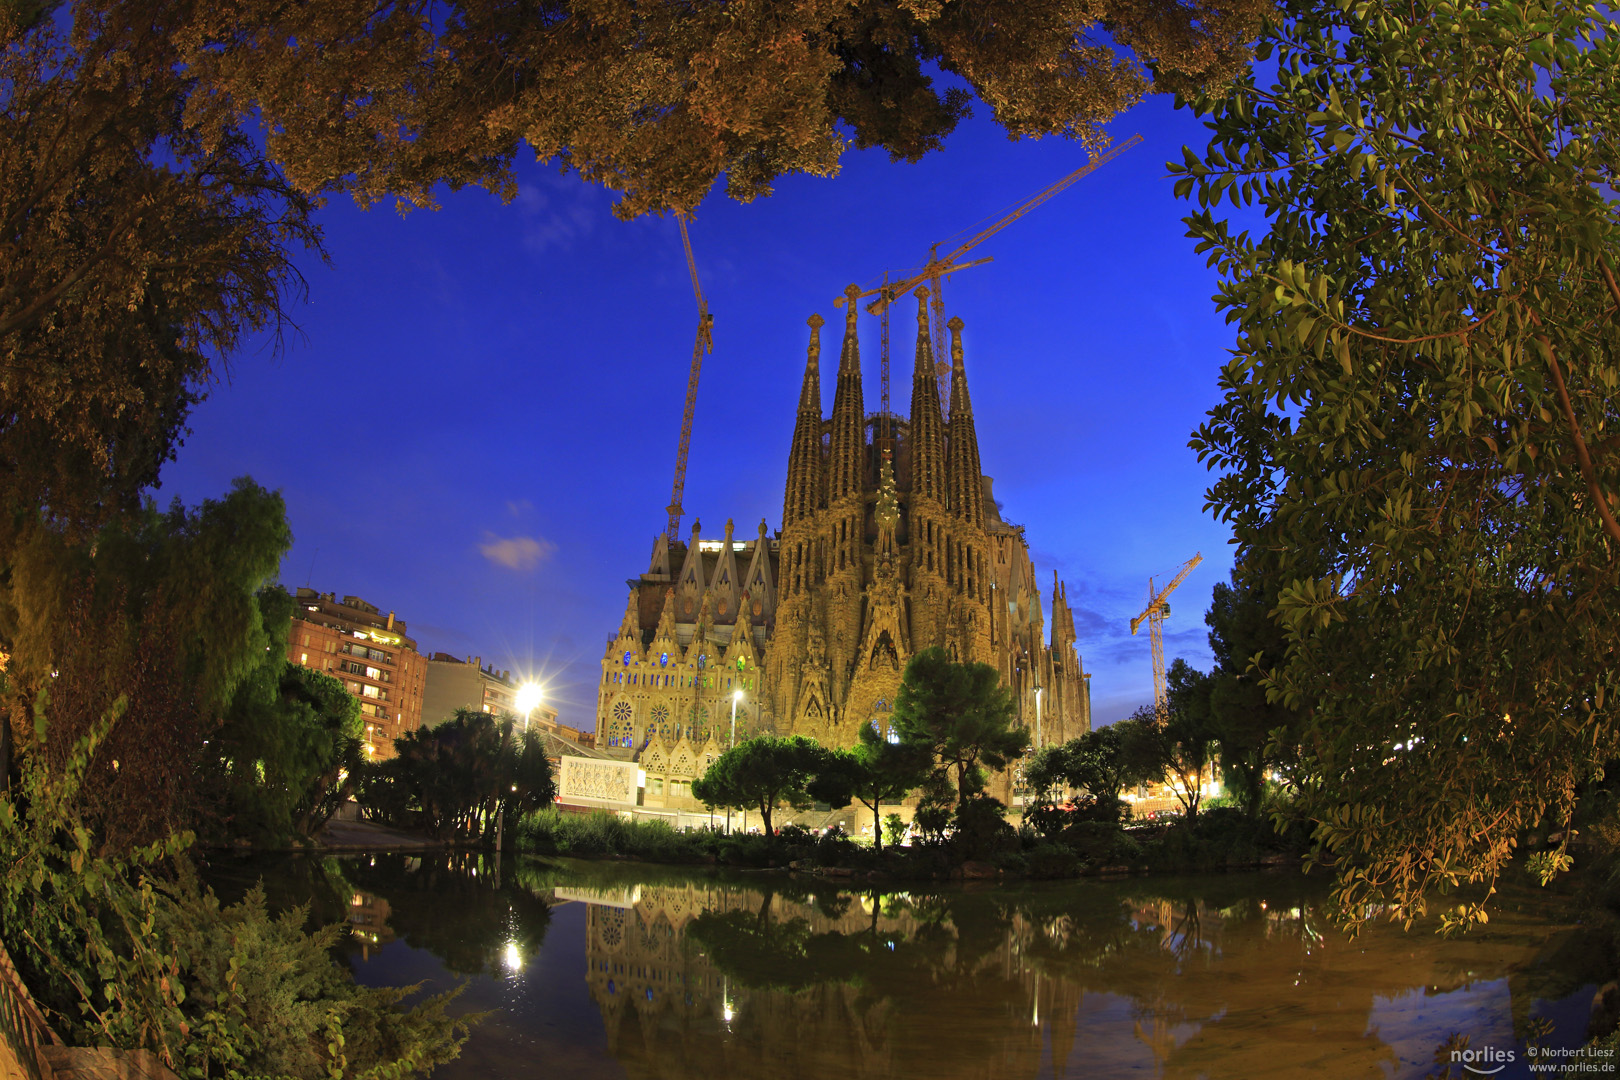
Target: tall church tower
(887, 547)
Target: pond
(627, 970)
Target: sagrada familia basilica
(890, 543)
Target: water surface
(618, 970)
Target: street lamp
(1037, 718)
(736, 696)
(528, 697)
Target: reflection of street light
(736, 696)
(528, 697)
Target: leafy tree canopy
(657, 100)
(289, 752)
(457, 778)
(760, 773)
(1415, 445)
(873, 772)
(961, 714)
(160, 622)
(1256, 734)
(1177, 747)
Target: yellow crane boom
(704, 344)
(1154, 615)
(937, 267)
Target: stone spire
(849, 414)
(806, 478)
(887, 516)
(630, 625)
(927, 428)
(1062, 621)
(962, 468)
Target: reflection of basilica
(704, 979)
(671, 1010)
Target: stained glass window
(626, 659)
(663, 659)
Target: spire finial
(852, 293)
(955, 326)
(921, 293)
(816, 322)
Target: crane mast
(1154, 616)
(703, 344)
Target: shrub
(119, 955)
(981, 829)
(894, 829)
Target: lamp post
(1037, 718)
(736, 696)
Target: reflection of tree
(453, 905)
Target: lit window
(663, 659)
(626, 659)
(303, 658)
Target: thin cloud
(520, 553)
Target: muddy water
(609, 970)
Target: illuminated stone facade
(890, 543)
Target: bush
(894, 829)
(552, 832)
(120, 955)
(1047, 860)
(981, 828)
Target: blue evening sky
(476, 424)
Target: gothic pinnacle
(816, 322)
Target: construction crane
(1157, 610)
(704, 344)
(933, 272)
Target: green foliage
(761, 772)
(291, 747)
(118, 955)
(457, 779)
(874, 772)
(894, 828)
(140, 249)
(600, 833)
(1256, 735)
(1090, 765)
(961, 715)
(162, 612)
(1413, 443)
(659, 100)
(980, 829)
(1175, 750)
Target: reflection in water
(691, 974)
(1239, 977)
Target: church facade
(891, 542)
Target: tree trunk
(765, 816)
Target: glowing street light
(528, 697)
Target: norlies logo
(1486, 1061)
